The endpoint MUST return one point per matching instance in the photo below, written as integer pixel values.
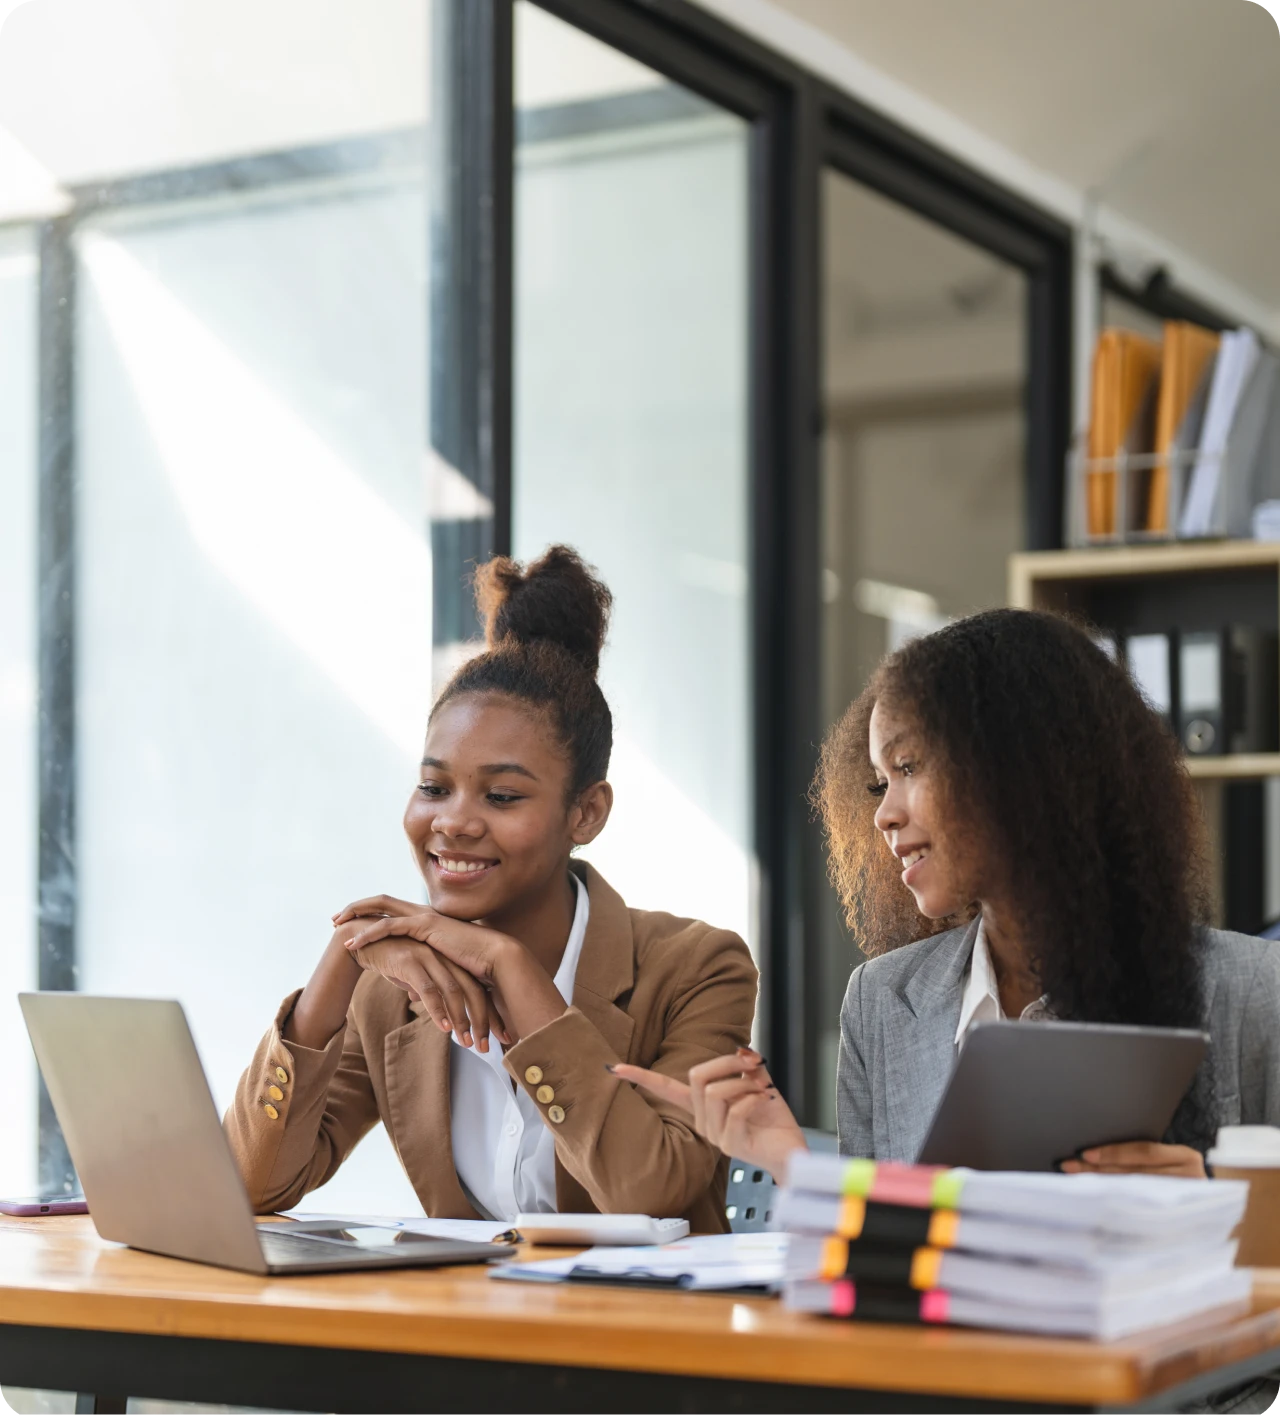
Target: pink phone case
(38, 1207)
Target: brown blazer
(651, 989)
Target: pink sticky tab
(934, 1306)
(906, 1184)
(843, 1297)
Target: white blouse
(503, 1152)
(981, 999)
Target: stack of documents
(1089, 1255)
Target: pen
(510, 1236)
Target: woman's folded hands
(472, 981)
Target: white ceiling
(1170, 107)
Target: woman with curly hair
(1003, 780)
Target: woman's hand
(453, 998)
(734, 1105)
(526, 997)
(479, 951)
(380, 906)
(1174, 1160)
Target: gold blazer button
(275, 1092)
(555, 1114)
(545, 1094)
(282, 1074)
(271, 1111)
(533, 1075)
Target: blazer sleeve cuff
(288, 1071)
(561, 1067)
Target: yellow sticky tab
(853, 1217)
(943, 1228)
(859, 1177)
(835, 1257)
(925, 1264)
(947, 1188)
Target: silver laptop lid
(141, 1126)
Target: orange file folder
(1188, 351)
(1125, 366)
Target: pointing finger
(673, 1091)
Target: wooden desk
(80, 1314)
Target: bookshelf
(1153, 587)
(1188, 584)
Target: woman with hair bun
(483, 1030)
(1013, 833)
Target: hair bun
(557, 598)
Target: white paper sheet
(723, 1262)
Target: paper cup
(1252, 1152)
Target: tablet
(1027, 1094)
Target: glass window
(18, 801)
(923, 471)
(631, 438)
(253, 589)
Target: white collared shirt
(503, 1152)
(981, 999)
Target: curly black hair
(1049, 758)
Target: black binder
(1201, 681)
(1227, 691)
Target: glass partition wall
(235, 616)
(630, 439)
(923, 473)
(252, 565)
(332, 309)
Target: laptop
(155, 1167)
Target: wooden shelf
(1233, 766)
(1097, 564)
(1077, 579)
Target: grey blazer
(898, 1028)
